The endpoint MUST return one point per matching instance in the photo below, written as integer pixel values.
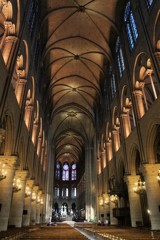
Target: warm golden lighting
(114, 198)
(27, 191)
(41, 201)
(101, 201)
(2, 135)
(106, 199)
(158, 176)
(140, 187)
(3, 172)
(38, 199)
(34, 196)
(16, 185)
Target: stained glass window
(112, 81)
(65, 173)
(32, 15)
(65, 192)
(56, 192)
(149, 3)
(120, 59)
(131, 28)
(74, 172)
(58, 171)
(74, 192)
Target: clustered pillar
(21, 202)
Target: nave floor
(66, 231)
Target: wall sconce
(34, 196)
(38, 199)
(41, 202)
(148, 211)
(114, 198)
(3, 172)
(105, 199)
(27, 191)
(158, 176)
(101, 201)
(16, 185)
(140, 187)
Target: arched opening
(156, 146)
(145, 84)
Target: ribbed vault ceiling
(76, 43)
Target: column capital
(138, 92)
(131, 179)
(30, 183)
(22, 81)
(35, 189)
(10, 161)
(39, 192)
(29, 106)
(21, 174)
(124, 115)
(150, 169)
(103, 151)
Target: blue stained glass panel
(131, 28)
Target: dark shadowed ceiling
(77, 42)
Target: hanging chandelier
(114, 198)
(16, 185)
(27, 191)
(140, 187)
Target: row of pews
(59, 232)
(16, 233)
(118, 233)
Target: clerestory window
(131, 27)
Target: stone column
(42, 208)
(88, 190)
(157, 56)
(6, 190)
(8, 49)
(34, 133)
(153, 193)
(38, 210)
(16, 211)
(38, 213)
(105, 173)
(113, 220)
(27, 205)
(109, 153)
(28, 115)
(20, 90)
(134, 200)
(139, 102)
(116, 139)
(103, 156)
(49, 181)
(94, 193)
(106, 200)
(126, 124)
(34, 205)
